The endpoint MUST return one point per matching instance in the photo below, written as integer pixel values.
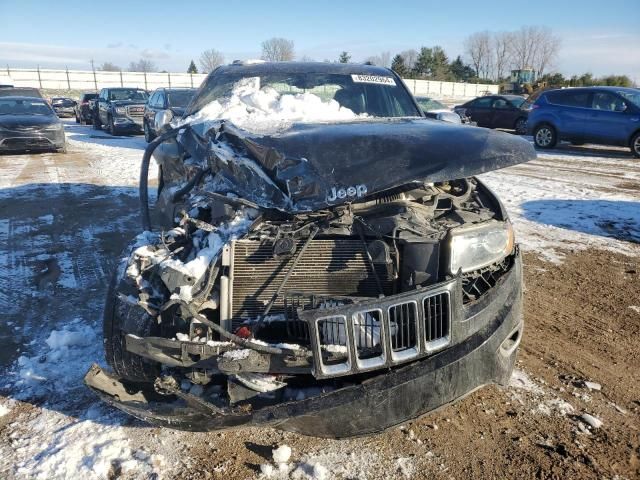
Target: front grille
(477, 283)
(328, 268)
(135, 110)
(26, 142)
(382, 333)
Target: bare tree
(277, 50)
(210, 59)
(501, 52)
(109, 67)
(478, 48)
(409, 57)
(143, 65)
(382, 60)
(535, 47)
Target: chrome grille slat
(410, 327)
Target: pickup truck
(120, 110)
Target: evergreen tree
(192, 67)
(424, 63)
(398, 66)
(461, 72)
(440, 64)
(344, 57)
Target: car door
(503, 113)
(149, 111)
(609, 119)
(572, 112)
(480, 111)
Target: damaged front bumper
(479, 349)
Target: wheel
(78, 119)
(111, 127)
(148, 136)
(119, 313)
(521, 126)
(96, 123)
(545, 136)
(635, 145)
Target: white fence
(90, 80)
(95, 80)
(449, 89)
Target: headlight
(121, 110)
(472, 248)
(54, 127)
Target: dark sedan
(28, 123)
(497, 111)
(64, 107)
(173, 100)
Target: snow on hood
(265, 110)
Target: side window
(500, 104)
(483, 102)
(152, 100)
(160, 100)
(570, 99)
(607, 101)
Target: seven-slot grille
(327, 268)
(356, 338)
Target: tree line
(488, 58)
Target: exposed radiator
(328, 267)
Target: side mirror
(162, 120)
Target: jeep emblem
(353, 191)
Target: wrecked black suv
(322, 259)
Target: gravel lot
(65, 217)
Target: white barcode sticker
(377, 79)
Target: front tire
(96, 123)
(545, 136)
(118, 313)
(78, 119)
(635, 145)
(112, 127)
(148, 136)
(521, 126)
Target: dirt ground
(578, 327)
(63, 218)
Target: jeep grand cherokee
(332, 276)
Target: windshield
(377, 96)
(128, 94)
(63, 102)
(631, 96)
(517, 102)
(24, 107)
(428, 104)
(179, 98)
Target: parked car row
(600, 115)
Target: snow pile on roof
(265, 110)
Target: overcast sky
(599, 37)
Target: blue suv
(604, 115)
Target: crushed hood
(315, 166)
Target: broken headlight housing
(475, 247)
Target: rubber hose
(143, 187)
(190, 184)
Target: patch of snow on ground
(572, 207)
(4, 410)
